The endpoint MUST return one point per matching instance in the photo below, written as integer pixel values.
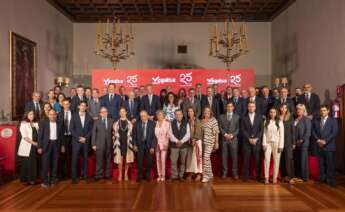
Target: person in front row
(229, 124)
(194, 155)
(123, 146)
(272, 143)
(325, 130)
(162, 131)
(286, 159)
(210, 133)
(252, 130)
(179, 137)
(27, 150)
(50, 143)
(144, 141)
(81, 129)
(303, 131)
(102, 143)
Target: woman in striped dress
(210, 131)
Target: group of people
(187, 127)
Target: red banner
(176, 78)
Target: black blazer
(328, 133)
(134, 114)
(31, 106)
(75, 103)
(155, 104)
(239, 106)
(113, 106)
(44, 134)
(215, 105)
(313, 106)
(250, 131)
(77, 130)
(150, 135)
(289, 132)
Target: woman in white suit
(273, 143)
(27, 150)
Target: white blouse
(274, 135)
(26, 132)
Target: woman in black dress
(123, 149)
(27, 150)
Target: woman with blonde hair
(210, 131)
(123, 148)
(162, 130)
(286, 160)
(302, 139)
(273, 143)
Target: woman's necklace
(121, 127)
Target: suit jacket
(138, 135)
(303, 131)
(260, 105)
(268, 103)
(44, 135)
(61, 120)
(113, 106)
(250, 131)
(134, 113)
(328, 133)
(230, 127)
(289, 132)
(102, 136)
(188, 103)
(151, 109)
(94, 107)
(77, 130)
(312, 106)
(240, 106)
(289, 102)
(215, 105)
(75, 103)
(31, 106)
(123, 98)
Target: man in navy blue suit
(311, 101)
(150, 102)
(144, 141)
(81, 129)
(132, 107)
(35, 104)
(50, 143)
(259, 102)
(112, 102)
(238, 102)
(78, 98)
(211, 101)
(325, 130)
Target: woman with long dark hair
(170, 107)
(273, 143)
(286, 159)
(27, 150)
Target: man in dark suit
(50, 143)
(229, 125)
(94, 104)
(252, 128)
(132, 107)
(325, 130)
(238, 102)
(150, 102)
(81, 129)
(102, 143)
(122, 94)
(35, 104)
(78, 98)
(191, 101)
(144, 141)
(268, 100)
(198, 92)
(284, 99)
(298, 93)
(112, 102)
(259, 102)
(311, 101)
(211, 101)
(64, 118)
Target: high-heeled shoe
(126, 177)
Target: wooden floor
(221, 195)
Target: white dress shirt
(251, 117)
(53, 131)
(82, 119)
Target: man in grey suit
(102, 143)
(94, 104)
(229, 128)
(191, 101)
